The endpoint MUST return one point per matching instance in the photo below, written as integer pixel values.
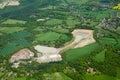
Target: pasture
(77, 53)
(107, 41)
(53, 22)
(57, 76)
(80, 2)
(50, 36)
(118, 73)
(13, 46)
(71, 21)
(96, 14)
(21, 34)
(60, 30)
(89, 76)
(9, 30)
(100, 57)
(12, 21)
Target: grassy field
(38, 29)
(80, 2)
(96, 14)
(52, 22)
(100, 57)
(60, 30)
(8, 49)
(49, 36)
(11, 29)
(12, 21)
(77, 53)
(57, 76)
(107, 41)
(71, 21)
(90, 76)
(21, 34)
(13, 46)
(118, 73)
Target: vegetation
(12, 21)
(20, 29)
(100, 57)
(74, 54)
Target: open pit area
(9, 3)
(81, 38)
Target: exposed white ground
(9, 3)
(81, 37)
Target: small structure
(21, 55)
(90, 70)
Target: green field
(80, 2)
(96, 14)
(12, 21)
(11, 29)
(21, 34)
(23, 78)
(90, 76)
(107, 41)
(60, 30)
(52, 22)
(13, 46)
(77, 53)
(100, 57)
(50, 36)
(57, 76)
(71, 21)
(118, 73)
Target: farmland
(77, 53)
(98, 77)
(21, 34)
(53, 22)
(107, 41)
(9, 30)
(57, 76)
(77, 1)
(100, 57)
(50, 36)
(12, 21)
(13, 46)
(71, 39)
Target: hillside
(59, 40)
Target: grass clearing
(21, 34)
(13, 46)
(12, 21)
(50, 36)
(77, 53)
(107, 41)
(60, 30)
(9, 30)
(96, 14)
(90, 76)
(52, 22)
(118, 73)
(100, 57)
(71, 21)
(80, 2)
(57, 76)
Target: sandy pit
(81, 37)
(9, 3)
